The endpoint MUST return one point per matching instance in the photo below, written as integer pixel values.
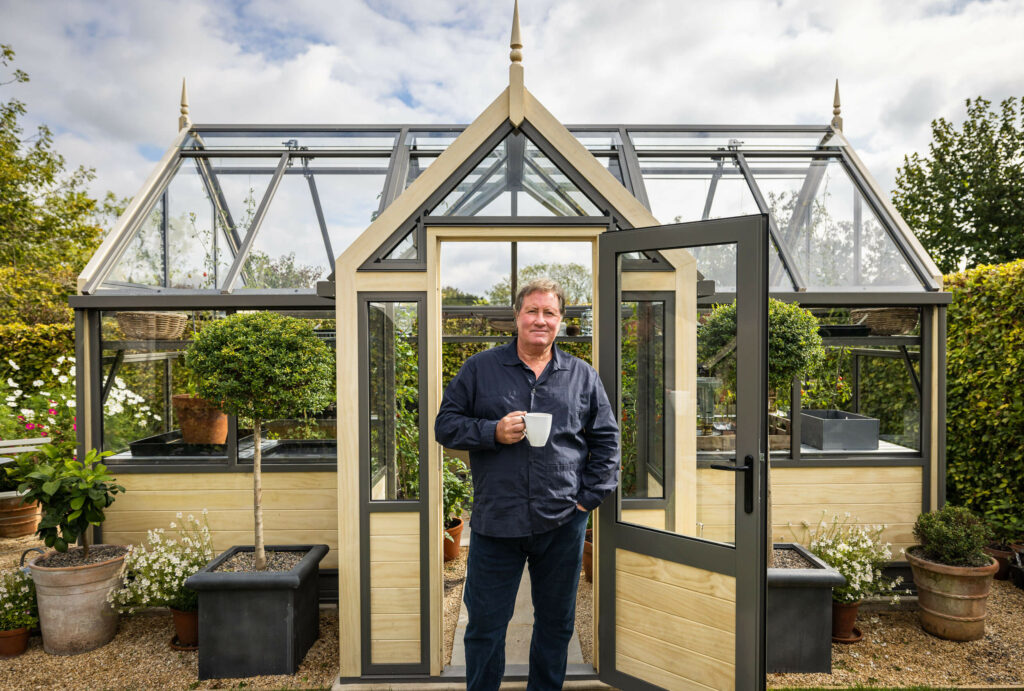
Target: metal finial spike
(183, 118)
(837, 119)
(516, 44)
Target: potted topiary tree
(259, 615)
(457, 492)
(952, 573)
(72, 583)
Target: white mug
(538, 427)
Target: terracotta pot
(844, 616)
(201, 422)
(451, 547)
(1002, 557)
(588, 560)
(17, 519)
(186, 627)
(952, 599)
(13, 642)
(74, 615)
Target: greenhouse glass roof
(240, 208)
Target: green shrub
(34, 348)
(953, 536)
(457, 489)
(985, 408)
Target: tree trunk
(259, 555)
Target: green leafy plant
(155, 572)
(73, 494)
(953, 536)
(985, 410)
(858, 552)
(17, 601)
(262, 366)
(457, 490)
(794, 345)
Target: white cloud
(106, 75)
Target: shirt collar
(510, 356)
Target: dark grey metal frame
(745, 561)
(368, 506)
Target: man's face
(538, 319)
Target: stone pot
(74, 614)
(1002, 557)
(186, 627)
(451, 547)
(952, 599)
(13, 642)
(201, 422)
(844, 617)
(18, 519)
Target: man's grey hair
(541, 285)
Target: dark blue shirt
(518, 489)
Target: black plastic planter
(799, 615)
(255, 623)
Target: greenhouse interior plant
(253, 619)
(457, 495)
(952, 572)
(155, 573)
(74, 495)
(18, 612)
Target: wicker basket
(886, 321)
(152, 326)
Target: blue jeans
(492, 581)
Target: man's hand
(511, 429)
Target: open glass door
(682, 546)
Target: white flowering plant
(17, 601)
(155, 572)
(858, 552)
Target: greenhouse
(403, 245)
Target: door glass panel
(677, 388)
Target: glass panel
(191, 249)
(831, 232)
(599, 141)
(417, 164)
(674, 423)
(431, 141)
(476, 273)
(289, 249)
(642, 413)
(569, 263)
(143, 260)
(282, 141)
(406, 248)
(394, 400)
(238, 187)
(142, 375)
(743, 140)
(516, 179)
(349, 203)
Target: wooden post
(837, 119)
(184, 121)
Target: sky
(106, 75)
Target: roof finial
(183, 119)
(516, 44)
(837, 119)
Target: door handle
(748, 479)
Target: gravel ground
(896, 651)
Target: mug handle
(526, 435)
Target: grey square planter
(256, 623)
(798, 619)
(832, 430)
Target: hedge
(985, 403)
(34, 348)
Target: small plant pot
(201, 422)
(588, 560)
(14, 642)
(186, 628)
(74, 614)
(451, 547)
(18, 519)
(1002, 557)
(952, 599)
(844, 618)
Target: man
(530, 503)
